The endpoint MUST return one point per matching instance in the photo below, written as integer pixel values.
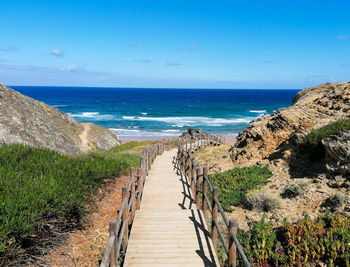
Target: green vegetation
(292, 191)
(304, 243)
(336, 201)
(132, 145)
(39, 186)
(234, 184)
(260, 200)
(313, 143)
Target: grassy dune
(39, 186)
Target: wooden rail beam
(193, 177)
(205, 190)
(198, 187)
(133, 193)
(232, 256)
(214, 215)
(125, 217)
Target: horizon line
(166, 88)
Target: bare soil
(85, 247)
(316, 189)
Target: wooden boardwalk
(168, 230)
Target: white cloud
(192, 47)
(173, 63)
(343, 37)
(57, 53)
(269, 62)
(75, 67)
(8, 49)
(145, 60)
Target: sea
(145, 113)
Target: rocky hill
(274, 136)
(318, 176)
(25, 120)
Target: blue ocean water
(147, 113)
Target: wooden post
(125, 216)
(205, 190)
(232, 256)
(133, 193)
(214, 231)
(146, 160)
(182, 162)
(112, 232)
(190, 168)
(149, 158)
(186, 164)
(139, 187)
(193, 177)
(198, 187)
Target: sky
(175, 44)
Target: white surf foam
(124, 130)
(258, 111)
(60, 106)
(128, 117)
(171, 131)
(127, 134)
(96, 116)
(191, 121)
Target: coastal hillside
(27, 121)
(276, 135)
(307, 149)
(286, 181)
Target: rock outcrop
(192, 133)
(25, 120)
(274, 134)
(338, 153)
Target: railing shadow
(186, 189)
(200, 228)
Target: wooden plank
(163, 233)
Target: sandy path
(84, 247)
(84, 147)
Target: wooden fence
(207, 198)
(131, 201)
(132, 194)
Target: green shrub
(335, 202)
(131, 145)
(40, 185)
(235, 183)
(313, 143)
(304, 243)
(292, 191)
(260, 200)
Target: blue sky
(188, 44)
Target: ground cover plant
(313, 140)
(304, 243)
(234, 184)
(39, 186)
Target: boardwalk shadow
(186, 189)
(198, 223)
(198, 220)
(186, 192)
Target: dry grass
(84, 247)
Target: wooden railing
(131, 201)
(200, 185)
(194, 143)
